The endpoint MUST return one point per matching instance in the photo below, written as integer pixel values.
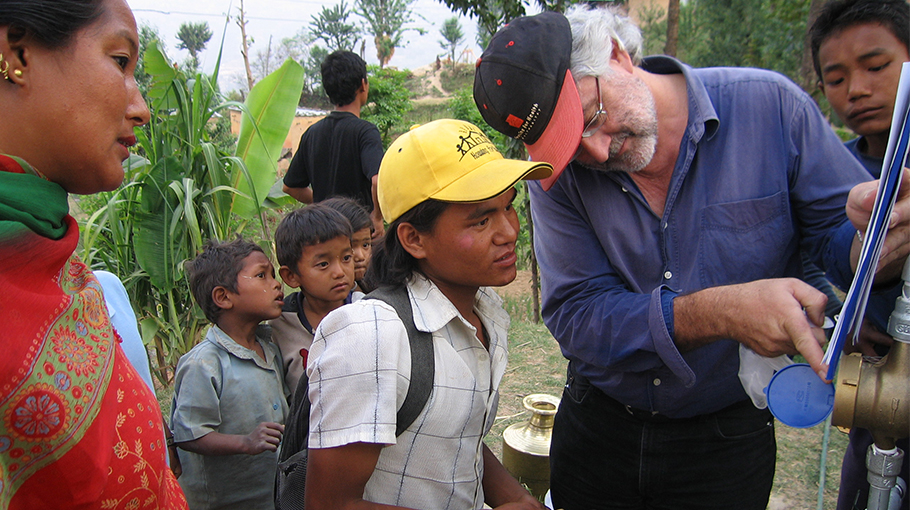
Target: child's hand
(265, 437)
(527, 502)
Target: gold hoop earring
(4, 68)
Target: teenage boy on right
(858, 47)
(313, 245)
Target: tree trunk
(535, 276)
(245, 47)
(672, 28)
(808, 78)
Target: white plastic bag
(755, 373)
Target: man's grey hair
(594, 31)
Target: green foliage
(767, 34)
(492, 14)
(181, 191)
(452, 36)
(389, 99)
(331, 25)
(193, 37)
(147, 34)
(312, 69)
(268, 113)
(386, 20)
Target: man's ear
(289, 277)
(222, 298)
(411, 240)
(621, 57)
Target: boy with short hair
(361, 240)
(230, 401)
(314, 249)
(858, 47)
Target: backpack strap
(423, 366)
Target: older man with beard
(671, 239)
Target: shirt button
(667, 275)
(656, 382)
(666, 225)
(274, 406)
(624, 190)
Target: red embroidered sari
(78, 427)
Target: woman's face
(85, 103)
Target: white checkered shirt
(359, 367)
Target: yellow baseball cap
(447, 160)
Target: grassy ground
(536, 366)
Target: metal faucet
(874, 394)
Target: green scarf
(28, 201)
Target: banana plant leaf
(267, 116)
(157, 248)
(162, 72)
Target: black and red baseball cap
(524, 89)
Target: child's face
(259, 296)
(362, 244)
(473, 245)
(861, 67)
(325, 271)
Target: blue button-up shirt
(760, 174)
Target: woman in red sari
(78, 427)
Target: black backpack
(290, 479)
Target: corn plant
(184, 188)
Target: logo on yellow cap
(475, 143)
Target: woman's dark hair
(392, 265)
(49, 23)
(353, 211)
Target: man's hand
(771, 317)
(897, 242)
(869, 338)
(265, 437)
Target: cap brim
(559, 141)
(492, 179)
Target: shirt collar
(433, 310)
(263, 334)
(703, 119)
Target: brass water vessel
(526, 446)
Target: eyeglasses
(600, 116)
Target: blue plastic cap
(798, 398)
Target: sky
(285, 18)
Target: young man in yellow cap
(447, 194)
